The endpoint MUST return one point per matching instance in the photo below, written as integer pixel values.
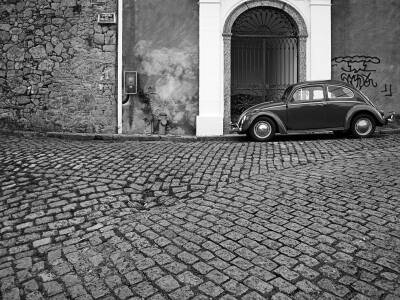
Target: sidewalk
(155, 137)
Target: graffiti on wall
(387, 90)
(360, 72)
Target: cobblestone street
(298, 218)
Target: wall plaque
(97, 2)
(106, 18)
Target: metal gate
(264, 58)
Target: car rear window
(339, 92)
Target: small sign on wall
(106, 18)
(97, 2)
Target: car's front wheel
(262, 129)
(363, 126)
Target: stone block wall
(57, 66)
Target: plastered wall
(161, 43)
(365, 48)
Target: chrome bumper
(389, 118)
(234, 127)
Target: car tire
(363, 126)
(262, 129)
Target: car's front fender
(363, 109)
(281, 128)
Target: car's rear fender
(280, 126)
(363, 109)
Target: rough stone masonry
(57, 66)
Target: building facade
(198, 63)
(237, 36)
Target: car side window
(312, 93)
(339, 92)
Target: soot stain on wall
(162, 45)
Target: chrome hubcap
(363, 126)
(262, 130)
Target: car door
(340, 100)
(306, 108)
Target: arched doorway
(264, 52)
(264, 57)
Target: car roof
(312, 82)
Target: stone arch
(227, 36)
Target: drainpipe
(119, 68)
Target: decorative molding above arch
(227, 37)
(266, 21)
(290, 10)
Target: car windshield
(287, 92)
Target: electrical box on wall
(130, 82)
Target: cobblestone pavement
(296, 218)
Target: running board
(318, 131)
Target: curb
(387, 131)
(122, 137)
(149, 138)
(143, 137)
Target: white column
(119, 68)
(320, 39)
(210, 118)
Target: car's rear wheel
(262, 129)
(363, 126)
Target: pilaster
(211, 106)
(320, 39)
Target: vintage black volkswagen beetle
(312, 106)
